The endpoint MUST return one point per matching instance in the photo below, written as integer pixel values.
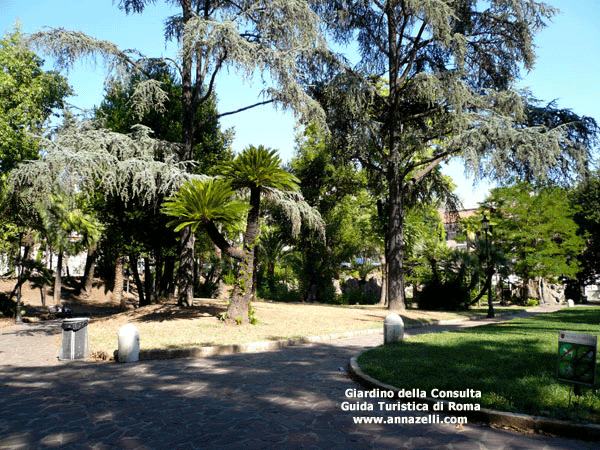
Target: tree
(586, 200)
(68, 230)
(139, 226)
(265, 36)
(28, 97)
(257, 171)
(535, 228)
(338, 190)
(83, 161)
(449, 68)
(211, 145)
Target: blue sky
(567, 68)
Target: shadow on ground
(290, 398)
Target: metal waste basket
(75, 340)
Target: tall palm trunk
(188, 104)
(186, 268)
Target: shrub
(444, 296)
(7, 306)
(532, 302)
(207, 289)
(358, 297)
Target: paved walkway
(284, 399)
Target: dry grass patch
(167, 326)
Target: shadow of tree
(170, 311)
(288, 398)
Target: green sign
(577, 358)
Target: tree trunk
(188, 105)
(186, 268)
(540, 289)
(57, 279)
(148, 284)
(167, 287)
(117, 293)
(255, 274)
(237, 312)
(43, 293)
(383, 296)
(88, 274)
(133, 260)
(395, 240)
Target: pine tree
(435, 81)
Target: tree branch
(266, 102)
(220, 241)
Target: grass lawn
(513, 364)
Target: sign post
(577, 358)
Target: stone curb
(519, 422)
(250, 347)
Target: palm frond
(201, 201)
(259, 167)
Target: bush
(207, 289)
(358, 297)
(7, 307)
(444, 296)
(531, 302)
(281, 293)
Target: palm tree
(256, 171)
(68, 231)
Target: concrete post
(129, 344)
(393, 329)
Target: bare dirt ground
(166, 325)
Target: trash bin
(75, 340)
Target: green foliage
(67, 228)
(534, 226)
(338, 190)
(201, 201)
(531, 302)
(28, 96)
(449, 295)
(258, 167)
(100, 160)
(357, 297)
(252, 315)
(586, 200)
(8, 306)
(117, 113)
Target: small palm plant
(204, 203)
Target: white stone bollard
(129, 344)
(570, 303)
(393, 329)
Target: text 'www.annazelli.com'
(411, 420)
